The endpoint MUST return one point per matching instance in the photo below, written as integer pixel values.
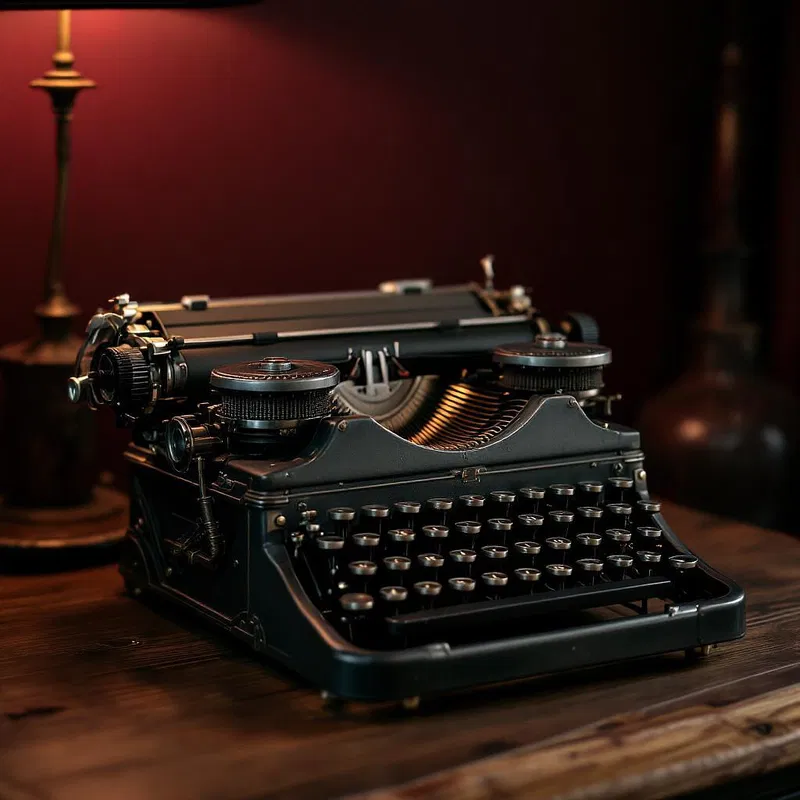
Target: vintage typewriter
(396, 492)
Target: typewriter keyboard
(389, 576)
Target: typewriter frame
(256, 594)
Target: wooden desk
(101, 697)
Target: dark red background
(318, 144)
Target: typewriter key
(330, 549)
(559, 522)
(589, 544)
(684, 569)
(435, 536)
(558, 575)
(393, 598)
(525, 552)
(493, 556)
(341, 518)
(648, 562)
(645, 509)
(618, 566)
(590, 493)
(648, 538)
(366, 544)
(398, 566)
(494, 584)
(427, 592)
(502, 501)
(407, 512)
(462, 561)
(588, 517)
(526, 579)
(618, 515)
(683, 562)
(557, 547)
(438, 508)
(589, 570)
(499, 529)
(356, 601)
(464, 587)
(617, 540)
(430, 564)
(373, 517)
(356, 607)
(362, 572)
(470, 506)
(618, 489)
(530, 525)
(400, 540)
(468, 532)
(560, 495)
(532, 497)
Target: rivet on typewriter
(463, 560)
(526, 552)
(407, 512)
(463, 586)
(373, 517)
(618, 489)
(435, 535)
(618, 566)
(393, 598)
(494, 584)
(531, 524)
(588, 517)
(589, 544)
(527, 578)
(427, 592)
(558, 574)
(532, 497)
(557, 547)
(366, 544)
(648, 538)
(469, 530)
(398, 566)
(341, 518)
(400, 540)
(648, 562)
(560, 494)
(438, 508)
(499, 528)
(617, 540)
(590, 493)
(502, 500)
(560, 521)
(430, 564)
(618, 515)
(589, 570)
(363, 570)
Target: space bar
(488, 612)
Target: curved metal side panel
(356, 448)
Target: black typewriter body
(424, 508)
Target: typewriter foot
(410, 703)
(695, 653)
(331, 701)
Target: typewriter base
(256, 595)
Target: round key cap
(366, 541)
(468, 531)
(463, 585)
(363, 568)
(375, 512)
(393, 597)
(400, 540)
(502, 501)
(557, 547)
(589, 569)
(397, 565)
(407, 511)
(330, 542)
(618, 515)
(591, 492)
(498, 529)
(618, 566)
(588, 517)
(560, 495)
(471, 501)
(527, 551)
(618, 487)
(648, 561)
(527, 578)
(589, 543)
(341, 514)
(560, 521)
(648, 537)
(532, 497)
(683, 562)
(430, 564)
(494, 552)
(439, 503)
(436, 534)
(356, 601)
(530, 524)
(494, 579)
(558, 574)
(648, 506)
(428, 588)
(462, 560)
(617, 539)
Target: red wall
(312, 143)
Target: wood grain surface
(103, 696)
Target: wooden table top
(100, 696)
